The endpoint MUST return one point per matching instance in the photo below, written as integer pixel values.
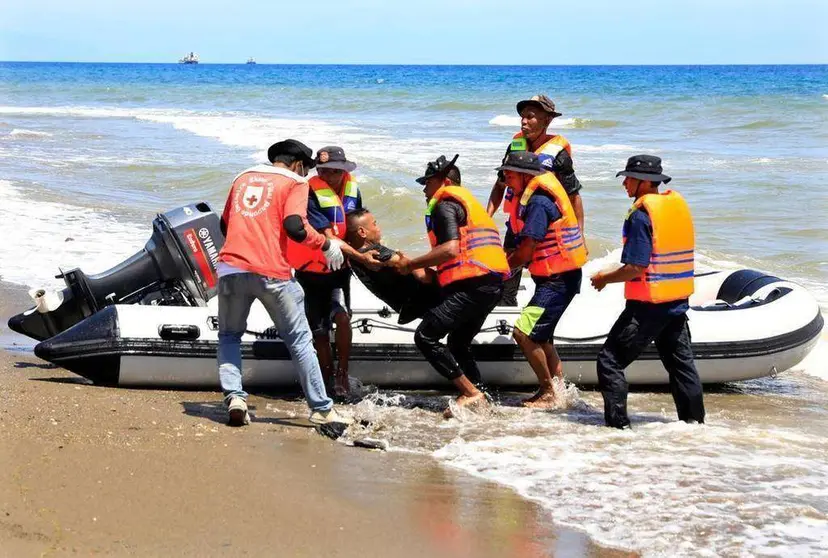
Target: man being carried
(549, 240)
(327, 291)
(555, 153)
(658, 260)
(266, 206)
(409, 295)
(471, 266)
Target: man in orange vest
(470, 266)
(334, 192)
(658, 268)
(549, 240)
(265, 207)
(555, 153)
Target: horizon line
(417, 64)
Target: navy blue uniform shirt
(541, 211)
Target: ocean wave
(36, 238)
(507, 120)
(459, 106)
(87, 112)
(513, 121)
(605, 148)
(20, 132)
(628, 490)
(761, 125)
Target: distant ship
(191, 58)
(251, 60)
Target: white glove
(333, 255)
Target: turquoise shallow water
(90, 152)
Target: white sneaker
(327, 417)
(237, 409)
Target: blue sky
(418, 32)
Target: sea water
(89, 153)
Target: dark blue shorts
(551, 299)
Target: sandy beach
(87, 470)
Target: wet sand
(91, 470)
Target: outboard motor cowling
(176, 267)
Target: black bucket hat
(522, 161)
(333, 157)
(545, 103)
(645, 167)
(438, 167)
(294, 148)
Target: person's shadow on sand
(215, 411)
(41, 365)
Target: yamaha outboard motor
(176, 267)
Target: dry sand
(88, 470)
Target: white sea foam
(513, 121)
(35, 234)
(88, 112)
(20, 132)
(507, 120)
(730, 488)
(605, 148)
(664, 489)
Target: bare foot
(542, 400)
(466, 401)
(534, 398)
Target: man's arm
(578, 207)
(523, 254)
(564, 170)
(438, 255)
(496, 197)
(365, 258)
(225, 215)
(622, 274)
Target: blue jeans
(284, 301)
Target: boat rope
(367, 325)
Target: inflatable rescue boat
(153, 321)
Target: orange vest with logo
(551, 147)
(669, 276)
(300, 256)
(562, 249)
(481, 251)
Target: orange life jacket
(551, 147)
(670, 273)
(300, 256)
(562, 249)
(481, 251)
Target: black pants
(460, 316)
(512, 284)
(510, 289)
(638, 325)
